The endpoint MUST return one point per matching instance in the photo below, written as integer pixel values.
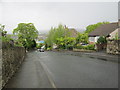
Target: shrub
(49, 49)
(90, 47)
(69, 47)
(39, 45)
(79, 46)
(87, 47)
(101, 40)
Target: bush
(6, 39)
(90, 47)
(18, 44)
(69, 47)
(39, 45)
(87, 47)
(49, 49)
(101, 40)
(79, 46)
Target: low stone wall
(83, 50)
(12, 57)
(100, 47)
(113, 46)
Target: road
(60, 70)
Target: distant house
(42, 37)
(106, 30)
(73, 32)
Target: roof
(73, 31)
(104, 29)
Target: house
(73, 32)
(107, 30)
(115, 34)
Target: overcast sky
(46, 14)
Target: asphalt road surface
(60, 70)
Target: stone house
(114, 34)
(107, 30)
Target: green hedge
(87, 47)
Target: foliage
(49, 48)
(92, 27)
(116, 36)
(78, 46)
(4, 37)
(55, 33)
(82, 37)
(86, 47)
(65, 43)
(89, 47)
(17, 43)
(27, 33)
(39, 45)
(2, 31)
(101, 40)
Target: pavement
(30, 75)
(64, 70)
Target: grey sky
(44, 15)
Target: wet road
(56, 69)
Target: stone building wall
(113, 46)
(12, 57)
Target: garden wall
(113, 46)
(12, 57)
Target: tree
(55, 33)
(102, 40)
(92, 27)
(27, 33)
(82, 38)
(65, 43)
(2, 31)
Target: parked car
(41, 49)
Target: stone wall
(100, 47)
(12, 57)
(113, 46)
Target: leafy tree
(4, 37)
(92, 27)
(55, 33)
(82, 37)
(102, 40)
(66, 43)
(27, 33)
(2, 31)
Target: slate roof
(104, 30)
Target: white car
(41, 49)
